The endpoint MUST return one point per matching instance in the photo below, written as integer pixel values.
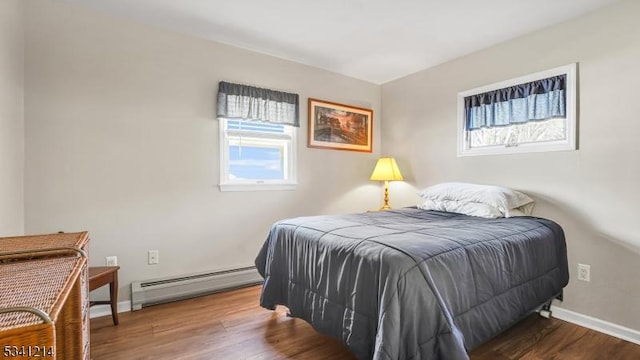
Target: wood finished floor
(232, 325)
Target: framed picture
(339, 126)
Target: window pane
(531, 132)
(256, 163)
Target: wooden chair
(103, 275)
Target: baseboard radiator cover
(157, 291)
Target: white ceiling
(373, 40)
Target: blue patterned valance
(244, 102)
(537, 100)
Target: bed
(412, 283)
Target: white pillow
(501, 198)
(461, 207)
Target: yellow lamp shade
(386, 170)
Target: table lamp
(386, 170)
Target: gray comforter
(409, 283)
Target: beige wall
(11, 117)
(593, 192)
(122, 141)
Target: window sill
(522, 148)
(257, 187)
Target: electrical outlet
(111, 261)
(584, 272)
(154, 257)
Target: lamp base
(386, 197)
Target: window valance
(244, 102)
(537, 100)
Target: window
(529, 114)
(257, 138)
(256, 156)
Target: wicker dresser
(44, 302)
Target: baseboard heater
(157, 291)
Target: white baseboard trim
(105, 310)
(592, 323)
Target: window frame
(228, 184)
(569, 143)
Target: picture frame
(339, 126)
